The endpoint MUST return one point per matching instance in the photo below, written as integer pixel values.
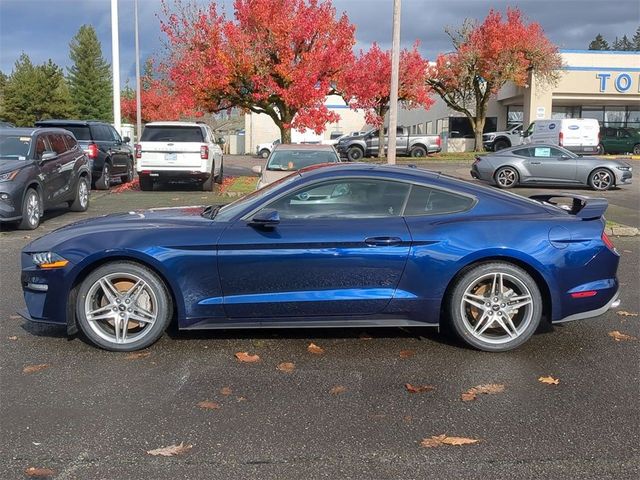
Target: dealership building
(604, 85)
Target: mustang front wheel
(123, 306)
(495, 307)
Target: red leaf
(418, 388)
(246, 358)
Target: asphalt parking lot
(345, 413)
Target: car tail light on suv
(92, 151)
(138, 150)
(204, 152)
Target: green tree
(35, 92)
(90, 76)
(599, 43)
(626, 45)
(636, 40)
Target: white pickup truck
(500, 140)
(178, 151)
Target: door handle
(383, 241)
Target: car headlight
(48, 260)
(7, 177)
(624, 169)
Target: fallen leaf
(246, 358)
(208, 405)
(13, 337)
(418, 388)
(27, 237)
(15, 317)
(407, 353)
(489, 389)
(620, 337)
(34, 368)
(549, 380)
(337, 390)
(286, 367)
(313, 348)
(624, 313)
(170, 451)
(438, 440)
(241, 399)
(226, 391)
(37, 472)
(136, 355)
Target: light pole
(115, 65)
(395, 77)
(138, 103)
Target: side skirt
(306, 323)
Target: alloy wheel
(33, 208)
(601, 180)
(507, 177)
(83, 193)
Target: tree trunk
(478, 131)
(285, 134)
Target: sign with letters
(618, 82)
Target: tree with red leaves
(486, 57)
(367, 85)
(277, 57)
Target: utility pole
(115, 65)
(138, 103)
(395, 77)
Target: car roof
(29, 131)
(304, 146)
(174, 124)
(57, 121)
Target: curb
(622, 231)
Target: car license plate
(171, 157)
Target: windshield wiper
(211, 211)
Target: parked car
(40, 168)
(357, 147)
(286, 159)
(6, 125)
(264, 149)
(179, 151)
(333, 138)
(579, 135)
(500, 140)
(549, 165)
(110, 156)
(348, 245)
(619, 140)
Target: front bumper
(623, 177)
(10, 201)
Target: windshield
(292, 160)
(153, 133)
(15, 147)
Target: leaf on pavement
(438, 440)
(15, 317)
(136, 355)
(621, 337)
(38, 472)
(241, 399)
(407, 353)
(171, 450)
(313, 348)
(549, 380)
(624, 313)
(286, 367)
(489, 389)
(337, 390)
(208, 405)
(226, 391)
(246, 358)
(35, 368)
(418, 388)
(365, 336)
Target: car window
(523, 152)
(70, 141)
(41, 147)
(101, 133)
(162, 133)
(114, 134)
(623, 134)
(14, 147)
(541, 152)
(609, 132)
(431, 201)
(81, 132)
(292, 160)
(56, 140)
(344, 198)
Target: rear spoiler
(582, 206)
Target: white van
(580, 135)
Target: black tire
(600, 149)
(418, 151)
(81, 201)
(104, 182)
(500, 145)
(207, 185)
(160, 300)
(31, 218)
(128, 178)
(146, 183)
(506, 177)
(354, 154)
(486, 328)
(636, 149)
(220, 176)
(264, 153)
(601, 179)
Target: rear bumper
(613, 303)
(175, 174)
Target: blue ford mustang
(350, 245)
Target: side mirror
(48, 155)
(265, 218)
(564, 156)
(256, 169)
(126, 139)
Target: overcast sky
(44, 28)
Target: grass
(238, 186)
(436, 157)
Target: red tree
(367, 85)
(159, 102)
(486, 57)
(278, 57)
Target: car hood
(605, 161)
(7, 165)
(179, 217)
(270, 176)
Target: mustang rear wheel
(506, 177)
(495, 307)
(123, 306)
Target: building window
(429, 128)
(633, 117)
(420, 129)
(615, 116)
(515, 116)
(593, 112)
(572, 111)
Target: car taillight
(138, 150)
(438, 141)
(92, 151)
(560, 138)
(607, 241)
(204, 152)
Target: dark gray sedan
(542, 164)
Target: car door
(339, 249)
(119, 150)
(51, 174)
(551, 165)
